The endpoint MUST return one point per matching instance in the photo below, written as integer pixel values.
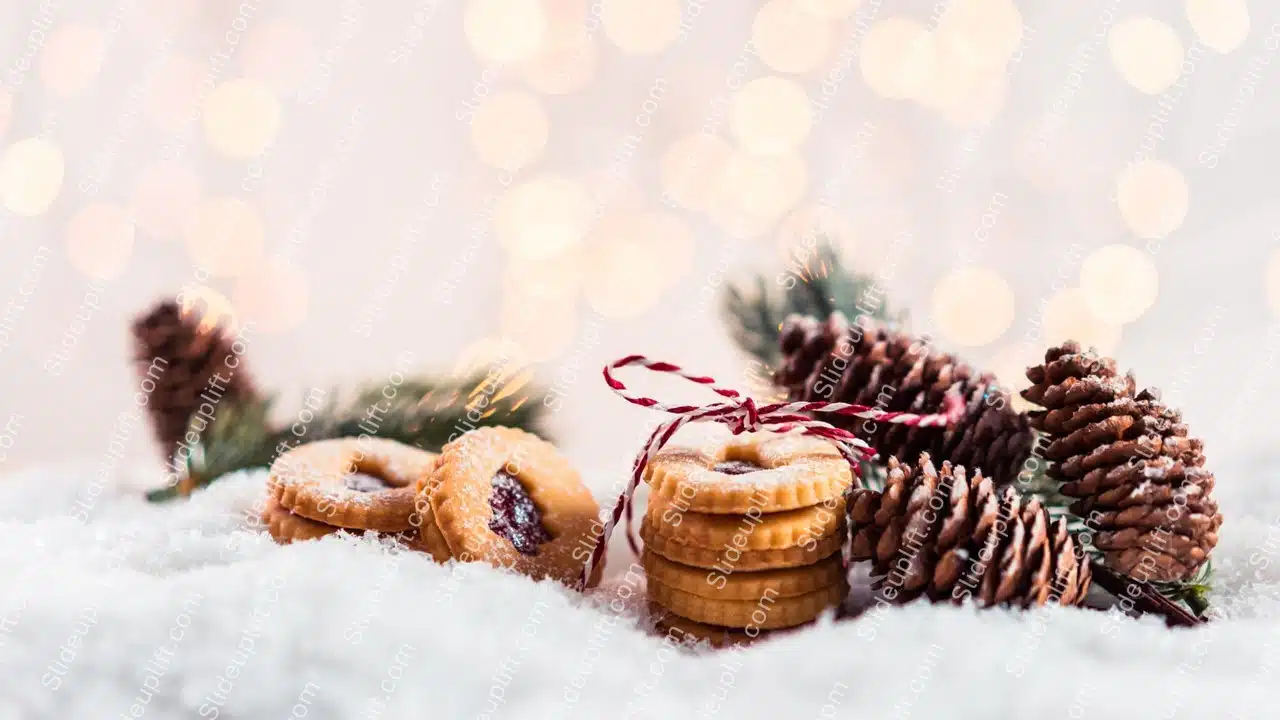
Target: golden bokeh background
(567, 181)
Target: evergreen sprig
(424, 412)
(814, 282)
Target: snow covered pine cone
(1139, 479)
(872, 364)
(950, 536)
(175, 358)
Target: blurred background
(356, 180)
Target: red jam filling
(515, 517)
(366, 483)
(737, 467)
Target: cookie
(716, 585)
(760, 473)
(356, 483)
(730, 559)
(766, 613)
(753, 531)
(505, 497)
(429, 537)
(286, 527)
(682, 629)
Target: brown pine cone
(1139, 478)
(951, 537)
(877, 366)
(176, 360)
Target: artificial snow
(112, 608)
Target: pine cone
(875, 365)
(948, 536)
(1127, 457)
(176, 359)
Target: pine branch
(423, 412)
(816, 283)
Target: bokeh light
(226, 236)
(210, 306)
(1221, 24)
(770, 115)
(542, 326)
(273, 295)
(544, 216)
(981, 33)
(1009, 364)
(509, 130)
(487, 354)
(765, 185)
(691, 169)
(973, 305)
(673, 240)
(505, 31)
(167, 17)
(165, 197)
(790, 38)
(898, 58)
(1147, 53)
(241, 118)
(981, 104)
(173, 98)
(6, 110)
(1153, 198)
(280, 53)
(830, 9)
(641, 27)
(1069, 316)
(1120, 282)
(100, 240)
(567, 61)
(805, 229)
(626, 278)
(1273, 282)
(735, 222)
(659, 232)
(31, 172)
(557, 275)
(71, 59)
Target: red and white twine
(740, 414)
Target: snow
(114, 608)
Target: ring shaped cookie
(760, 473)
(355, 483)
(681, 629)
(770, 531)
(731, 559)
(713, 585)
(550, 516)
(764, 614)
(286, 527)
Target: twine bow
(741, 415)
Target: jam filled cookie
(355, 483)
(505, 497)
(761, 473)
(286, 527)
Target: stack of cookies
(744, 537)
(352, 484)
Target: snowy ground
(180, 611)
